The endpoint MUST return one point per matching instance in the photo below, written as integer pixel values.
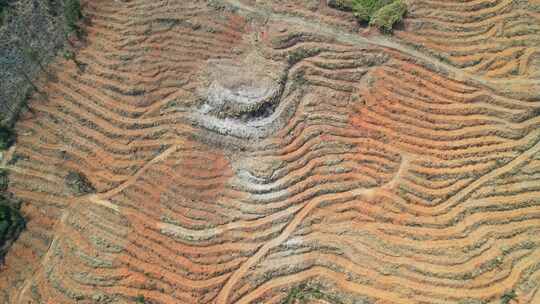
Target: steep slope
(239, 151)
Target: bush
(4, 180)
(69, 55)
(4, 4)
(79, 184)
(387, 16)
(383, 14)
(11, 224)
(140, 299)
(344, 5)
(508, 297)
(7, 138)
(73, 15)
(365, 9)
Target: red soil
(382, 174)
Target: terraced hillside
(268, 152)
(495, 39)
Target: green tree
(365, 9)
(388, 15)
(11, 224)
(383, 14)
(73, 15)
(7, 137)
(4, 5)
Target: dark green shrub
(4, 5)
(508, 296)
(383, 14)
(4, 180)
(344, 5)
(78, 183)
(69, 55)
(73, 15)
(11, 224)
(388, 15)
(7, 138)
(140, 299)
(365, 9)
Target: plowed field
(277, 152)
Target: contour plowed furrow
(487, 38)
(250, 152)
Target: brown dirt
(379, 173)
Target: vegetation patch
(301, 53)
(140, 299)
(4, 180)
(387, 16)
(7, 137)
(79, 184)
(383, 14)
(11, 224)
(342, 5)
(508, 297)
(303, 293)
(32, 32)
(4, 4)
(73, 15)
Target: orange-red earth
(249, 151)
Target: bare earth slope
(244, 149)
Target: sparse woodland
(32, 34)
(382, 14)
